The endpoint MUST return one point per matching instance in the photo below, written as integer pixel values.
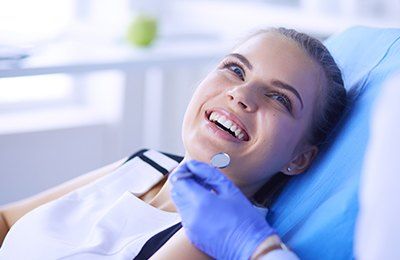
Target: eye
(235, 68)
(281, 98)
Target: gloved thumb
(211, 177)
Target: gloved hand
(220, 222)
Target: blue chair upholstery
(316, 212)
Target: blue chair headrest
(316, 212)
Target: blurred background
(84, 83)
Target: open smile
(231, 127)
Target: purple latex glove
(216, 216)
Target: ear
(301, 161)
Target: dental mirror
(221, 160)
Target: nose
(243, 98)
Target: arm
(3, 228)
(10, 213)
(272, 248)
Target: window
(34, 91)
(27, 25)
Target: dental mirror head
(220, 160)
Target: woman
(269, 105)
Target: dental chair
(316, 213)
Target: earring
(289, 169)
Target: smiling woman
(274, 88)
(269, 105)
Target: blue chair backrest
(316, 212)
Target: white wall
(31, 162)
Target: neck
(162, 200)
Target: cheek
(189, 116)
(278, 138)
(205, 92)
(198, 99)
(281, 130)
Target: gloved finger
(200, 175)
(188, 189)
(205, 172)
(182, 172)
(211, 177)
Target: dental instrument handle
(219, 160)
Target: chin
(199, 153)
(197, 148)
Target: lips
(228, 122)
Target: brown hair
(327, 112)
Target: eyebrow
(242, 58)
(280, 84)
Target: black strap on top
(156, 242)
(154, 164)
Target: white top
(102, 219)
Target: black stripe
(154, 164)
(156, 242)
(138, 153)
(174, 157)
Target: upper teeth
(227, 124)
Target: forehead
(276, 57)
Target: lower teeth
(225, 129)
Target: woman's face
(266, 88)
